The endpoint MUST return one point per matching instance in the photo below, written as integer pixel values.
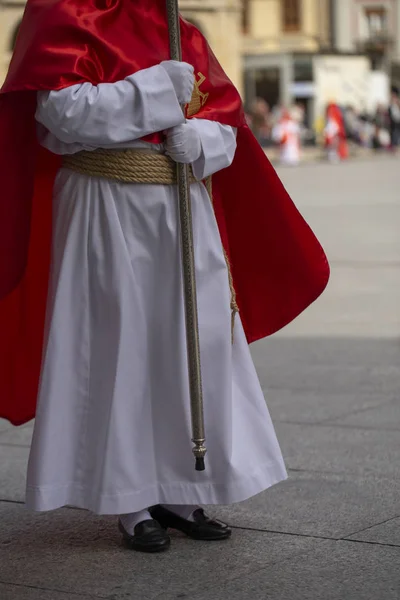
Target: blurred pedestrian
(394, 119)
(367, 130)
(352, 124)
(298, 113)
(286, 133)
(260, 121)
(335, 134)
(381, 118)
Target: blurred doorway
(267, 85)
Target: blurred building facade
(311, 52)
(10, 18)
(219, 20)
(281, 39)
(221, 23)
(373, 28)
(287, 51)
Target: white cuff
(218, 147)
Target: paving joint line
(321, 537)
(289, 533)
(342, 475)
(9, 445)
(370, 543)
(338, 425)
(323, 472)
(305, 535)
(43, 589)
(358, 411)
(22, 503)
(302, 390)
(371, 527)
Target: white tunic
(112, 432)
(287, 134)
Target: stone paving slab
(351, 217)
(331, 571)
(341, 313)
(384, 533)
(360, 183)
(334, 366)
(311, 407)
(343, 243)
(354, 210)
(17, 436)
(72, 551)
(13, 464)
(335, 449)
(385, 417)
(277, 352)
(17, 592)
(319, 505)
(361, 301)
(4, 425)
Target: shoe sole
(148, 550)
(216, 538)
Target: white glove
(181, 75)
(183, 144)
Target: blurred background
(297, 56)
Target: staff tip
(200, 464)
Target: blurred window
(303, 68)
(291, 12)
(376, 20)
(245, 16)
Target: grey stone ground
(332, 531)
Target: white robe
(331, 132)
(287, 134)
(112, 431)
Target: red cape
(278, 266)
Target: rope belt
(138, 166)
(125, 166)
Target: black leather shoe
(202, 528)
(149, 537)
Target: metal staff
(189, 275)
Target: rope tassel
(234, 304)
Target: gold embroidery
(199, 98)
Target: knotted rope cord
(140, 166)
(125, 166)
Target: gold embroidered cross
(199, 98)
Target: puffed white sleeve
(218, 144)
(111, 113)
